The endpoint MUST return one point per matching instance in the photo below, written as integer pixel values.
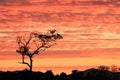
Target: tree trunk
(31, 63)
(22, 58)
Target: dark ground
(90, 74)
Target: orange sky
(91, 31)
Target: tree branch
(24, 63)
(30, 37)
(37, 50)
(19, 40)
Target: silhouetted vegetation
(113, 68)
(103, 67)
(34, 43)
(90, 74)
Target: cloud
(60, 2)
(14, 2)
(3, 35)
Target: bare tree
(34, 44)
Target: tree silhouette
(34, 43)
(103, 68)
(114, 68)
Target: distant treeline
(90, 74)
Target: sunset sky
(90, 29)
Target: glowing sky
(91, 31)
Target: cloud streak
(60, 2)
(13, 2)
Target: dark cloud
(13, 2)
(59, 2)
(103, 18)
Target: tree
(34, 44)
(114, 68)
(103, 68)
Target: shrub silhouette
(90, 74)
(114, 68)
(102, 67)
